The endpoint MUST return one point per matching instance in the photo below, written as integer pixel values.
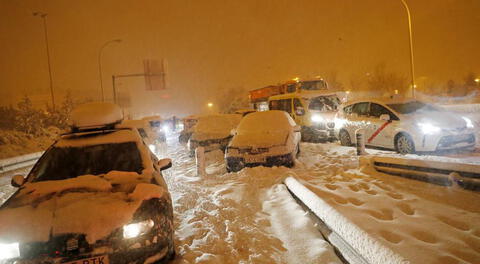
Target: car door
(358, 119)
(298, 111)
(381, 131)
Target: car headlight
(152, 148)
(317, 118)
(9, 251)
(428, 128)
(166, 128)
(137, 229)
(468, 121)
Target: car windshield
(313, 85)
(324, 103)
(414, 106)
(61, 163)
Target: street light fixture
(100, 63)
(210, 105)
(44, 17)
(412, 67)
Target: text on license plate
(93, 260)
(255, 159)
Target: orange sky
(215, 44)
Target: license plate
(255, 159)
(93, 260)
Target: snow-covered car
(406, 125)
(189, 123)
(149, 136)
(96, 196)
(213, 132)
(269, 138)
(155, 124)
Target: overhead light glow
(210, 104)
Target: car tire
(404, 144)
(344, 138)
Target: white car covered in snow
(97, 195)
(407, 126)
(269, 138)
(213, 132)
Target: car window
(348, 109)
(324, 103)
(61, 163)
(297, 103)
(360, 108)
(274, 105)
(142, 132)
(291, 87)
(377, 110)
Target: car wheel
(404, 144)
(344, 138)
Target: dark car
(97, 195)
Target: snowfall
(251, 217)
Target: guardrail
(443, 173)
(19, 161)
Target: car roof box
(95, 116)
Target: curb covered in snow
(19, 161)
(360, 241)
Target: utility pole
(44, 17)
(412, 66)
(100, 63)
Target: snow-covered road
(245, 217)
(250, 217)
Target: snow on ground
(424, 223)
(245, 217)
(249, 216)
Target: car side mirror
(164, 164)
(385, 117)
(297, 128)
(18, 180)
(299, 111)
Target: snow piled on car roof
(96, 114)
(85, 205)
(215, 126)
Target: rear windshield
(324, 103)
(411, 107)
(61, 163)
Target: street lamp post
(100, 63)
(44, 17)
(412, 66)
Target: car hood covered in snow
(215, 126)
(90, 205)
(260, 139)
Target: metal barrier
(443, 173)
(19, 162)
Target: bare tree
(385, 82)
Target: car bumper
(445, 142)
(135, 255)
(320, 131)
